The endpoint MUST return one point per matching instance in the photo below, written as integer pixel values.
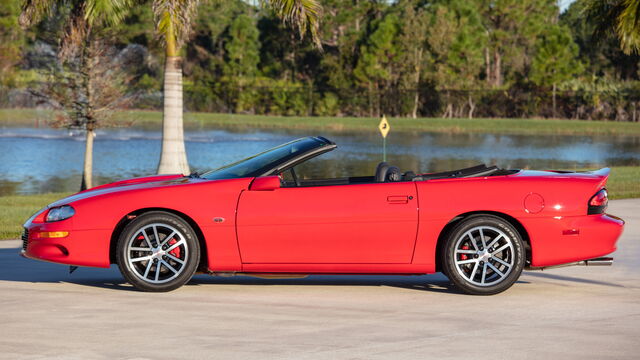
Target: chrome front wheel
(158, 251)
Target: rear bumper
(564, 240)
(79, 247)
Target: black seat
(387, 173)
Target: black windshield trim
(316, 145)
(300, 158)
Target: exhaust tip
(601, 261)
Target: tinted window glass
(258, 164)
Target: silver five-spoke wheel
(157, 253)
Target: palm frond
(628, 26)
(603, 13)
(620, 17)
(301, 14)
(106, 12)
(175, 16)
(35, 10)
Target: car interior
(388, 173)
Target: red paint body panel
(329, 224)
(565, 195)
(597, 237)
(80, 248)
(199, 200)
(337, 268)
(376, 228)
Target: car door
(343, 224)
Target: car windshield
(259, 164)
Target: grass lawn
(29, 117)
(624, 182)
(16, 209)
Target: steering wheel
(386, 173)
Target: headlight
(60, 213)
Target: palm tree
(81, 20)
(619, 16)
(173, 23)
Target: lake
(39, 160)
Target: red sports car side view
(480, 226)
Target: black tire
(471, 268)
(169, 263)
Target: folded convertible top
(478, 170)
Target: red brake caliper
(464, 256)
(175, 252)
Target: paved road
(577, 312)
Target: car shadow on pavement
(571, 278)
(432, 282)
(16, 268)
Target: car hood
(128, 185)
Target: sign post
(384, 130)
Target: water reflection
(37, 160)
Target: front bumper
(79, 247)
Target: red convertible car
(480, 226)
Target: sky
(564, 4)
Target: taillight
(598, 202)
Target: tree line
(85, 77)
(445, 58)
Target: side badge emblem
(218, 219)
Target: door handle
(397, 199)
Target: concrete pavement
(576, 312)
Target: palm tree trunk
(87, 171)
(87, 111)
(173, 158)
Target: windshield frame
(319, 146)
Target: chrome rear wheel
(483, 255)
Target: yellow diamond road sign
(384, 126)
